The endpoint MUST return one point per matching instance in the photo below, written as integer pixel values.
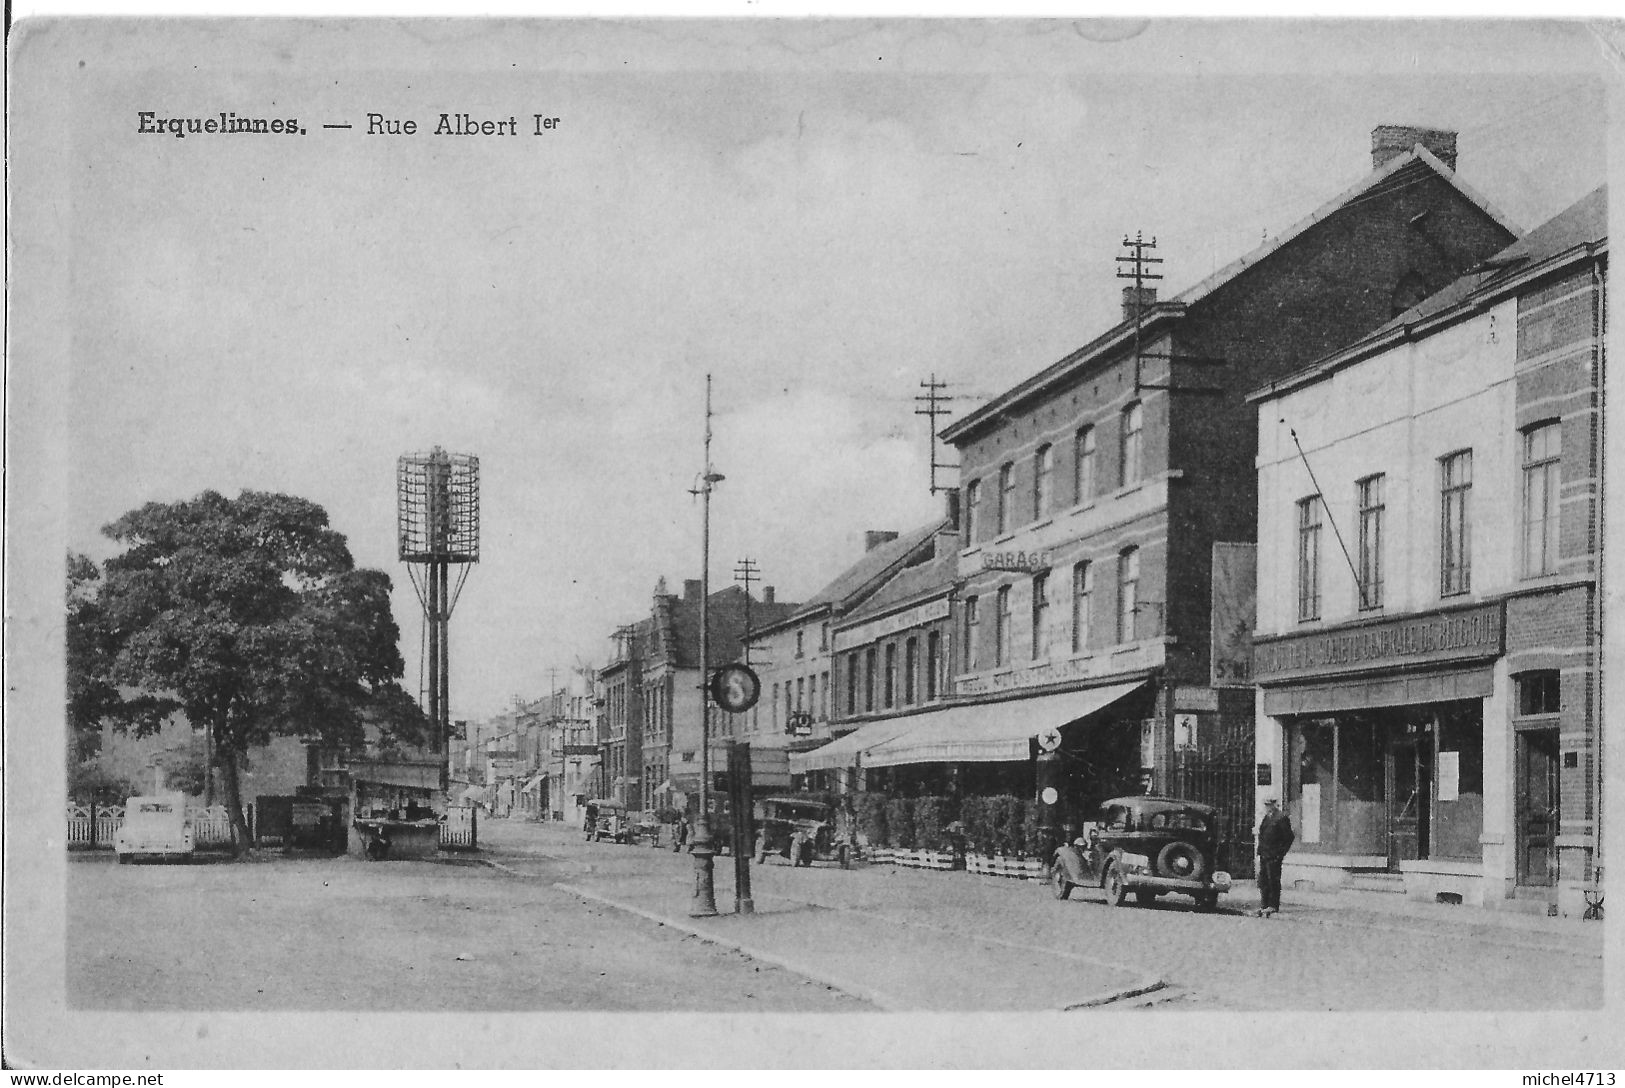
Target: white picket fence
(211, 826)
(459, 830)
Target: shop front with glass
(1376, 738)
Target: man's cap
(1271, 801)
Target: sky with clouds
(818, 215)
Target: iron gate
(1223, 778)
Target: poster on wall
(1449, 776)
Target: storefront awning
(844, 752)
(990, 732)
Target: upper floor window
(1083, 466)
(852, 684)
(891, 674)
(973, 499)
(800, 645)
(1043, 466)
(1539, 692)
(1309, 558)
(774, 724)
(1542, 480)
(1128, 593)
(823, 696)
(911, 668)
(801, 691)
(823, 637)
(1040, 639)
(869, 679)
(1455, 524)
(933, 662)
(972, 650)
(1083, 587)
(1133, 424)
(1369, 493)
(1007, 497)
(1001, 627)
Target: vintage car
(606, 819)
(1146, 845)
(156, 827)
(799, 828)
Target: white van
(155, 827)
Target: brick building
(620, 719)
(801, 707)
(1429, 708)
(1095, 490)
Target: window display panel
(1310, 798)
(1459, 782)
(1362, 803)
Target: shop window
(1083, 465)
(1007, 497)
(1539, 692)
(1542, 465)
(1371, 517)
(1458, 786)
(973, 499)
(1455, 525)
(1043, 466)
(1133, 428)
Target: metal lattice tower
(438, 527)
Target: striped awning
(845, 751)
(990, 732)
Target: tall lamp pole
(705, 897)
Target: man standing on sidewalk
(1275, 838)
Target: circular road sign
(735, 688)
(1049, 739)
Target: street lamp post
(705, 897)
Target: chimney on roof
(767, 594)
(1389, 142)
(691, 589)
(1148, 299)
(874, 538)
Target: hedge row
(989, 825)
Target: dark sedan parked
(1146, 845)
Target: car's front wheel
(1063, 886)
(1116, 888)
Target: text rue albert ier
(449, 124)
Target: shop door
(1537, 807)
(1410, 788)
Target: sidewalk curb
(863, 993)
(874, 997)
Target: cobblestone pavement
(1336, 953)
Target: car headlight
(1222, 879)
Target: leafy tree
(250, 616)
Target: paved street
(1336, 953)
(317, 934)
(548, 921)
